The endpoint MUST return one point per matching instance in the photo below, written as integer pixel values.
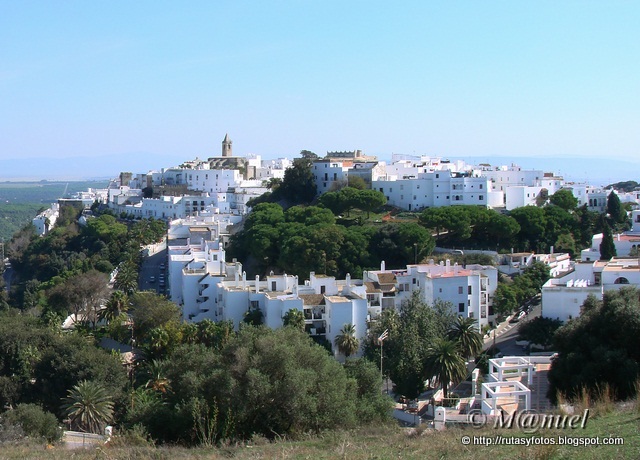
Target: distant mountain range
(596, 171)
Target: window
(481, 197)
(437, 176)
(461, 307)
(460, 289)
(480, 186)
(322, 289)
(469, 290)
(414, 281)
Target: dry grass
(383, 442)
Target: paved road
(8, 276)
(151, 267)
(507, 334)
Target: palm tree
(117, 304)
(88, 406)
(444, 361)
(346, 341)
(127, 277)
(465, 332)
(157, 380)
(294, 318)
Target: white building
(563, 297)
(46, 220)
(439, 188)
(468, 289)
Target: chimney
(455, 268)
(348, 279)
(448, 265)
(244, 281)
(551, 250)
(237, 278)
(382, 266)
(257, 283)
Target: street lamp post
(381, 339)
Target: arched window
(621, 280)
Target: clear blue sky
(452, 79)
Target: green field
(21, 201)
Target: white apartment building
(439, 188)
(468, 289)
(563, 297)
(221, 292)
(517, 196)
(330, 174)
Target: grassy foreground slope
(385, 443)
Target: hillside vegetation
(382, 442)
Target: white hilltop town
(204, 201)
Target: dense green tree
(539, 330)
(371, 404)
(298, 185)
(455, 219)
(505, 299)
(532, 223)
(566, 243)
(81, 295)
(410, 332)
(309, 215)
(35, 422)
(599, 348)
(149, 311)
(401, 244)
(357, 182)
(89, 406)
(346, 340)
(370, 200)
(616, 213)
(254, 317)
(607, 246)
(69, 360)
(564, 199)
(214, 334)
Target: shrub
(35, 422)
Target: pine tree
(607, 247)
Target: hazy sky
(453, 79)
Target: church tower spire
(226, 146)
